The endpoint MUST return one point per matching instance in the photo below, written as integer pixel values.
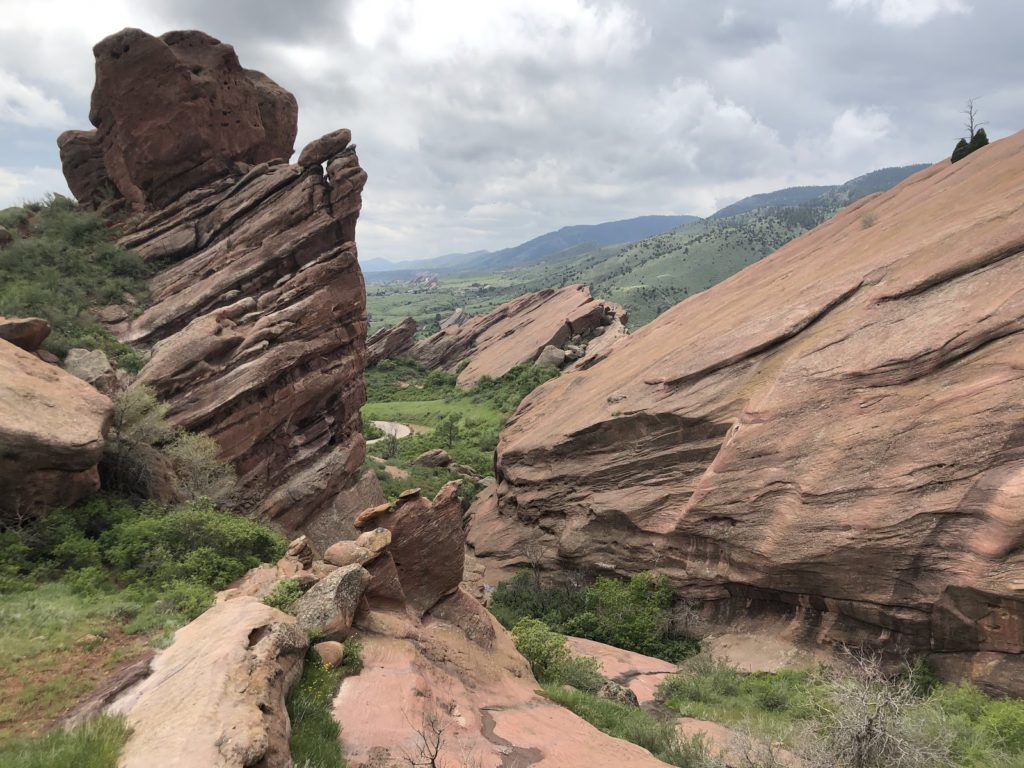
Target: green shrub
(201, 473)
(284, 593)
(702, 678)
(1003, 723)
(545, 650)
(96, 744)
(582, 673)
(68, 264)
(315, 738)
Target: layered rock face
(830, 435)
(52, 428)
(257, 327)
(172, 113)
(517, 332)
(391, 342)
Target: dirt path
(390, 428)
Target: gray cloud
(484, 124)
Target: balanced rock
(319, 151)
(826, 437)
(435, 457)
(26, 332)
(344, 553)
(52, 430)
(302, 550)
(375, 541)
(329, 606)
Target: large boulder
(514, 333)
(216, 696)
(393, 341)
(52, 430)
(26, 332)
(830, 436)
(171, 114)
(91, 366)
(329, 606)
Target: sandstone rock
(618, 693)
(514, 333)
(323, 149)
(435, 457)
(550, 357)
(331, 652)
(385, 587)
(390, 342)
(47, 357)
(465, 471)
(216, 695)
(257, 327)
(91, 366)
(25, 332)
(289, 567)
(321, 569)
(456, 318)
(344, 553)
(111, 314)
(301, 549)
(330, 605)
(173, 113)
(375, 541)
(258, 582)
(369, 516)
(52, 429)
(427, 545)
(825, 437)
(6, 238)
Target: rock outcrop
(516, 332)
(52, 430)
(29, 333)
(393, 341)
(257, 324)
(216, 696)
(828, 436)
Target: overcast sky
(482, 124)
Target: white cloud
(907, 13)
(23, 104)
(858, 129)
(21, 187)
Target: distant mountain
(552, 244)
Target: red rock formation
(171, 114)
(830, 435)
(257, 325)
(52, 430)
(516, 332)
(391, 342)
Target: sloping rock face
(172, 113)
(216, 696)
(391, 342)
(831, 435)
(516, 332)
(52, 430)
(257, 325)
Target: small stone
(345, 553)
(301, 549)
(618, 693)
(435, 457)
(408, 493)
(112, 313)
(550, 357)
(331, 652)
(375, 541)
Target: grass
(93, 745)
(315, 740)
(638, 726)
(63, 262)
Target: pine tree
(979, 140)
(961, 150)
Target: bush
(68, 264)
(200, 472)
(702, 678)
(284, 593)
(545, 650)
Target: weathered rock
(435, 457)
(257, 328)
(28, 333)
(458, 317)
(330, 605)
(828, 436)
(91, 366)
(334, 522)
(550, 357)
(331, 652)
(640, 674)
(465, 471)
(319, 151)
(173, 113)
(111, 314)
(375, 541)
(427, 544)
(6, 238)
(302, 550)
(258, 582)
(47, 357)
(390, 342)
(52, 430)
(371, 515)
(514, 333)
(217, 694)
(385, 587)
(618, 693)
(344, 553)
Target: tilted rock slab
(833, 434)
(515, 332)
(52, 430)
(257, 323)
(394, 341)
(216, 696)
